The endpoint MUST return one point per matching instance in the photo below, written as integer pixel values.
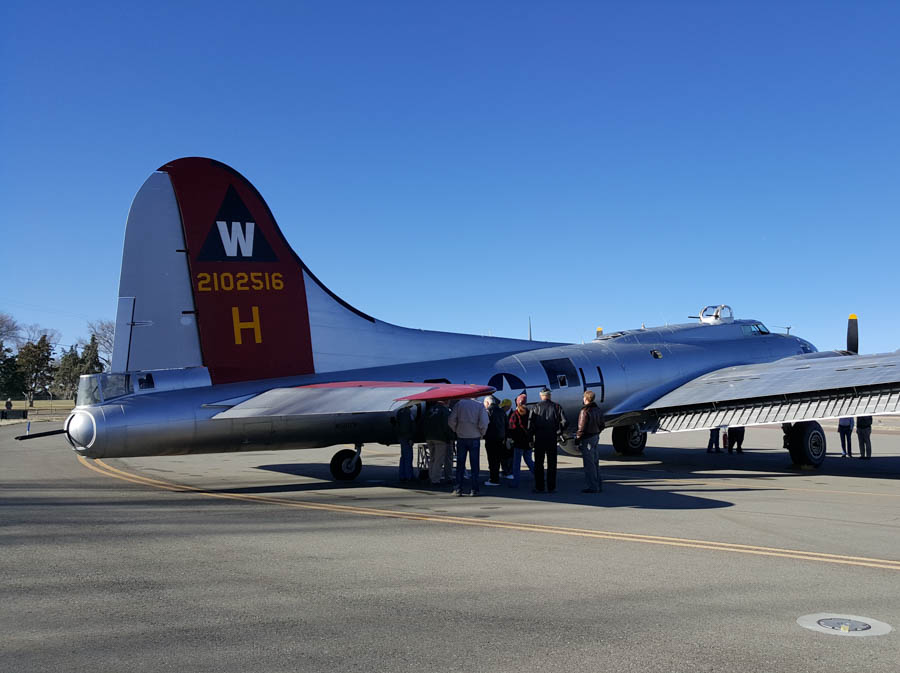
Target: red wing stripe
(437, 391)
(446, 392)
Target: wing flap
(348, 397)
(787, 391)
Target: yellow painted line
(886, 564)
(134, 479)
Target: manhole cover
(844, 625)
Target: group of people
(863, 434)
(733, 439)
(511, 435)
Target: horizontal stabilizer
(348, 397)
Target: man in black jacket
(547, 422)
(440, 438)
(406, 433)
(864, 436)
(494, 438)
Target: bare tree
(33, 333)
(10, 329)
(104, 331)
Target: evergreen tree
(35, 363)
(11, 382)
(90, 357)
(65, 382)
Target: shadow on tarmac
(660, 479)
(569, 484)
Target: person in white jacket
(469, 421)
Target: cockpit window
(755, 329)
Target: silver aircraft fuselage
(626, 370)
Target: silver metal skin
(182, 418)
(196, 222)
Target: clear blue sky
(463, 165)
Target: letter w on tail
(238, 236)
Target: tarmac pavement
(687, 561)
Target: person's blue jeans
(406, 460)
(846, 433)
(590, 456)
(472, 448)
(518, 455)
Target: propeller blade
(852, 334)
(40, 434)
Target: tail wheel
(629, 440)
(346, 465)
(807, 444)
(569, 448)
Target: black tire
(628, 440)
(569, 448)
(340, 465)
(807, 444)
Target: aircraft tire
(807, 444)
(569, 448)
(340, 465)
(628, 440)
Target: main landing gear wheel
(806, 443)
(346, 465)
(629, 440)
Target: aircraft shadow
(653, 481)
(569, 485)
(678, 461)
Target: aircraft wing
(344, 397)
(801, 388)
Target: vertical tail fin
(209, 279)
(217, 286)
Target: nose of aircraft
(81, 429)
